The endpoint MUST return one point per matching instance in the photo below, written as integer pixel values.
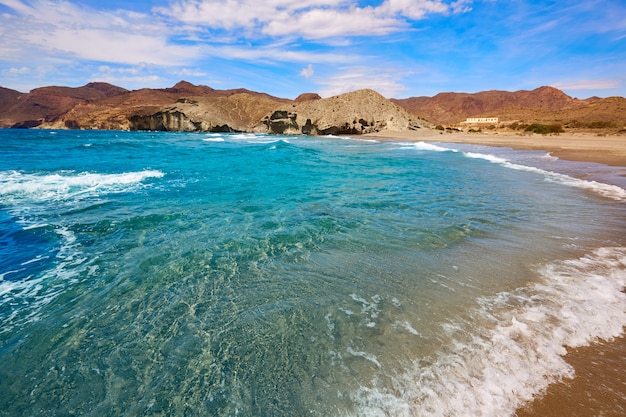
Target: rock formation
(234, 113)
(358, 112)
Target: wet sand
(586, 147)
(599, 385)
(598, 388)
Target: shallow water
(216, 274)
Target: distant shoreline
(580, 147)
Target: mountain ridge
(99, 105)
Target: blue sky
(400, 48)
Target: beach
(599, 385)
(585, 147)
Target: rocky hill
(98, 105)
(451, 108)
(608, 113)
(234, 113)
(8, 98)
(358, 112)
(47, 104)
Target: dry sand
(599, 387)
(587, 147)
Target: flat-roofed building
(481, 120)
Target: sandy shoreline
(583, 147)
(599, 386)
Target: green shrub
(439, 127)
(592, 125)
(544, 129)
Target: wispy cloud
(19, 71)
(583, 85)
(385, 81)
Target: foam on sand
(606, 190)
(511, 346)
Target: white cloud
(308, 71)
(413, 9)
(18, 71)
(327, 23)
(189, 72)
(137, 75)
(309, 19)
(59, 29)
(589, 85)
(275, 53)
(382, 80)
(240, 13)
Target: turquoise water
(214, 274)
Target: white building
(481, 120)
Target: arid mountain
(601, 113)
(195, 107)
(97, 105)
(46, 104)
(186, 89)
(452, 108)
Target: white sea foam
(253, 138)
(406, 326)
(26, 297)
(548, 156)
(511, 346)
(365, 355)
(613, 192)
(487, 157)
(17, 186)
(369, 310)
(424, 146)
(21, 192)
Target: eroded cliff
(358, 112)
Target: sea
(209, 274)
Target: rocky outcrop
(234, 113)
(358, 112)
(167, 120)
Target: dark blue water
(193, 274)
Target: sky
(400, 48)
